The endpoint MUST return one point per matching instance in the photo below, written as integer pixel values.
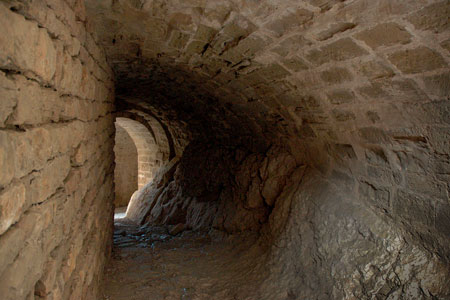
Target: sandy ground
(149, 263)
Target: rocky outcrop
(329, 245)
(143, 200)
(226, 189)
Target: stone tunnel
(275, 149)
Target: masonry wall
(56, 158)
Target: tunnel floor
(159, 263)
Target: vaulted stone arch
(126, 166)
(149, 158)
(157, 129)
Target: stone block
(273, 72)
(374, 70)
(340, 50)
(54, 25)
(295, 64)
(374, 135)
(64, 79)
(250, 45)
(70, 261)
(291, 45)
(336, 75)
(195, 47)
(290, 21)
(253, 78)
(31, 150)
(44, 286)
(13, 240)
(343, 115)
(418, 60)
(49, 179)
(205, 33)
(52, 234)
(340, 96)
(7, 158)
(20, 277)
(433, 17)
(178, 39)
(74, 108)
(387, 34)
(246, 49)
(334, 29)
(70, 209)
(65, 137)
(24, 46)
(181, 21)
(8, 94)
(12, 201)
(238, 30)
(76, 72)
(373, 91)
(324, 5)
(35, 104)
(288, 99)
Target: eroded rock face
(214, 187)
(344, 250)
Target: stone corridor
(264, 149)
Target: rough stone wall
(326, 244)
(126, 169)
(218, 187)
(56, 158)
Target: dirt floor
(159, 263)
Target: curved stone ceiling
(346, 82)
(313, 68)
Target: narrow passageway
(253, 149)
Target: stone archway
(126, 169)
(148, 157)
